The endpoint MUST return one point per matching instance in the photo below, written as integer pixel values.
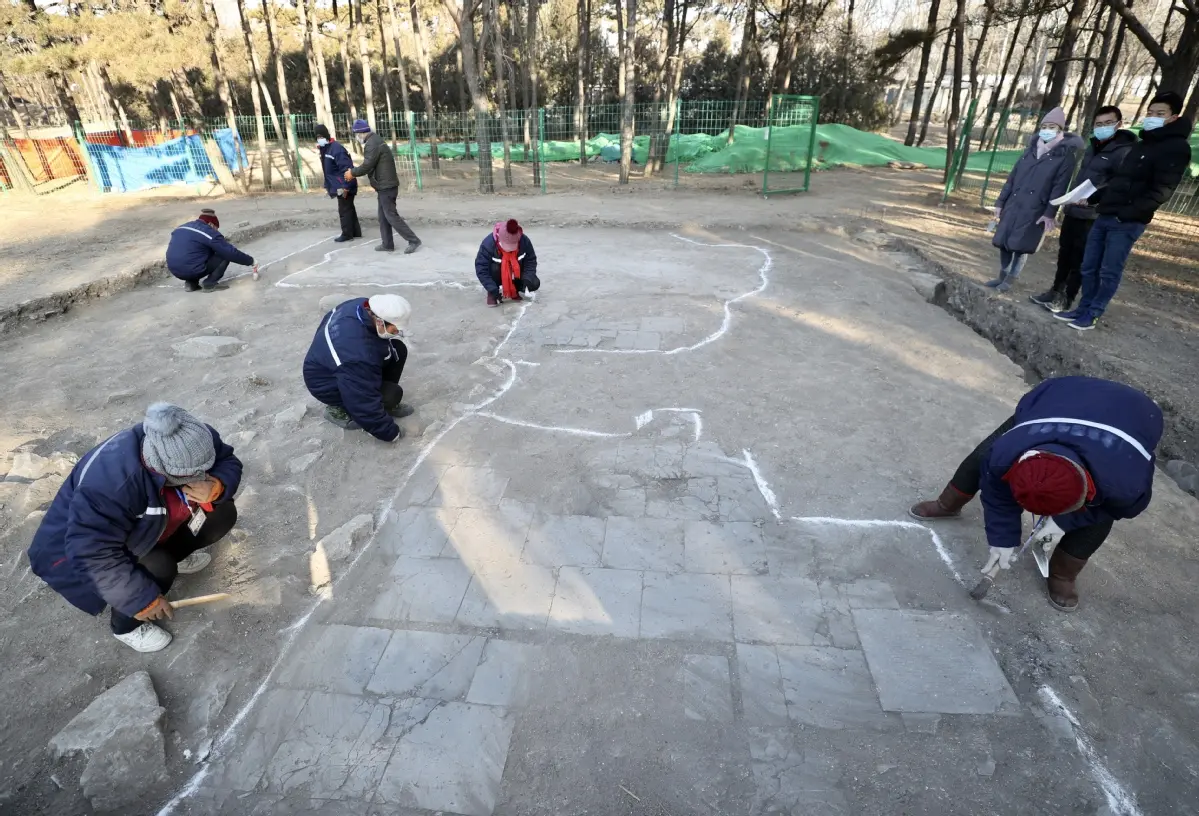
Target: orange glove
(161, 608)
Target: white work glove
(1000, 558)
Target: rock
(29, 467)
(258, 380)
(338, 545)
(120, 396)
(121, 734)
(242, 438)
(329, 302)
(302, 463)
(291, 417)
(412, 425)
(35, 496)
(1185, 474)
(203, 348)
(986, 767)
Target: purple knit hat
(360, 126)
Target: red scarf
(509, 271)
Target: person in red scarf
(506, 264)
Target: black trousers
(1072, 245)
(392, 371)
(214, 270)
(527, 282)
(163, 559)
(389, 218)
(1080, 543)
(347, 213)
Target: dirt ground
(77, 377)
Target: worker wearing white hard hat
(355, 363)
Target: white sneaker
(146, 638)
(194, 563)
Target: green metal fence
(790, 144)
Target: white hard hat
(391, 308)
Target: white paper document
(1080, 193)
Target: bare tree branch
(1138, 28)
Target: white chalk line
(639, 422)
(938, 544)
(524, 308)
(328, 257)
(445, 284)
(728, 312)
(263, 266)
(767, 494)
(1121, 801)
(292, 632)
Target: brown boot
(948, 505)
(1063, 570)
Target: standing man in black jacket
(1109, 145)
(379, 165)
(1144, 181)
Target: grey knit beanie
(177, 445)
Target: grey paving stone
(418, 532)
(335, 658)
(465, 486)
(663, 324)
(705, 688)
(242, 768)
(422, 590)
(729, 547)
(516, 596)
(644, 340)
(502, 677)
(643, 544)
(647, 460)
(788, 553)
(494, 536)
(869, 594)
(453, 761)
(427, 664)
(932, 662)
(740, 499)
(597, 602)
(761, 683)
(422, 485)
(629, 502)
(789, 780)
(707, 459)
(216, 802)
(776, 610)
(838, 617)
(686, 606)
(335, 749)
(829, 688)
(561, 541)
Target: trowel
(1040, 537)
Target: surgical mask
(322, 142)
(1152, 122)
(1104, 132)
(1048, 135)
(380, 329)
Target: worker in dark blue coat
(335, 161)
(355, 363)
(1078, 449)
(135, 513)
(506, 264)
(199, 255)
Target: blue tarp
(226, 138)
(125, 169)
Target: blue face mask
(1152, 122)
(321, 142)
(1104, 132)
(1048, 135)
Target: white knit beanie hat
(177, 445)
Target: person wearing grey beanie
(134, 514)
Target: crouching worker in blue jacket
(135, 513)
(355, 363)
(1078, 449)
(199, 255)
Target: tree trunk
(620, 60)
(314, 77)
(122, 116)
(222, 86)
(922, 72)
(1060, 70)
(584, 28)
(1178, 67)
(322, 69)
(958, 26)
(1109, 59)
(656, 145)
(391, 121)
(748, 34)
(346, 70)
(292, 152)
(936, 90)
(1085, 71)
(988, 18)
(395, 39)
(676, 76)
(364, 60)
(464, 99)
(259, 78)
(1011, 91)
(997, 91)
(426, 80)
(181, 85)
(464, 15)
(630, 87)
(1192, 106)
(497, 43)
(532, 77)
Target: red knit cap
(508, 233)
(1046, 484)
(209, 217)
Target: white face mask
(1152, 122)
(381, 330)
(322, 142)
(1048, 134)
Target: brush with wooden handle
(200, 599)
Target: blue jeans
(1011, 263)
(1108, 248)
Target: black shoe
(341, 239)
(191, 285)
(402, 410)
(1060, 304)
(381, 248)
(412, 247)
(1044, 299)
(218, 287)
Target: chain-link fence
(675, 143)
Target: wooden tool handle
(200, 599)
